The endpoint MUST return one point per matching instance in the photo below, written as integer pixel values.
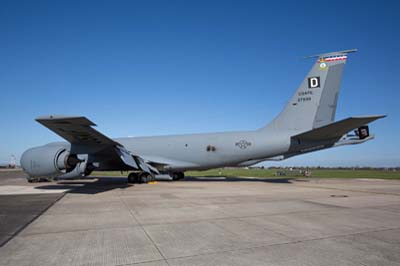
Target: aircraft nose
(25, 161)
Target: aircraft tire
(132, 178)
(181, 175)
(144, 178)
(174, 176)
(178, 176)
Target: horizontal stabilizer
(344, 52)
(337, 129)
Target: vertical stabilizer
(314, 103)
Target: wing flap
(126, 157)
(337, 129)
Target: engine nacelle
(48, 161)
(81, 170)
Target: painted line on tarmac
(22, 190)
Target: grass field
(271, 173)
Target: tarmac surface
(200, 221)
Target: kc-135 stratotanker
(306, 124)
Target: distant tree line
(355, 168)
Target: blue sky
(164, 67)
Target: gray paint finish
(312, 107)
(327, 106)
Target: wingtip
(379, 116)
(46, 118)
(54, 117)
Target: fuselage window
(211, 148)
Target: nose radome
(25, 161)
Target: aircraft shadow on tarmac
(237, 179)
(104, 184)
(91, 186)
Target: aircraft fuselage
(202, 151)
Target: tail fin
(314, 103)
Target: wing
(76, 130)
(84, 139)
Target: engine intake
(48, 161)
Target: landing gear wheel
(132, 178)
(178, 176)
(174, 176)
(144, 178)
(181, 175)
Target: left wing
(84, 139)
(75, 129)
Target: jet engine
(81, 170)
(49, 161)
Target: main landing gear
(177, 175)
(140, 178)
(143, 178)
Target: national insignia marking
(322, 66)
(243, 144)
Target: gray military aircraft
(306, 124)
